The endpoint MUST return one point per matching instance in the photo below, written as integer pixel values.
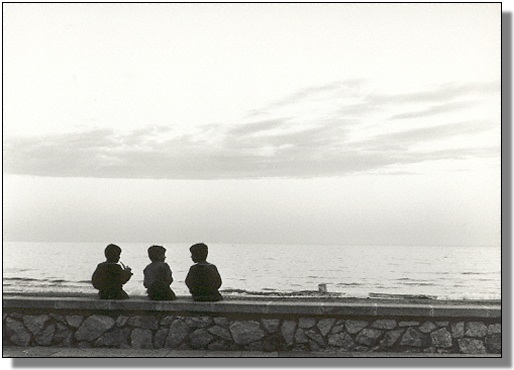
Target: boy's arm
(96, 278)
(216, 281)
(123, 275)
(165, 274)
(189, 279)
(145, 278)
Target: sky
(347, 124)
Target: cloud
(324, 143)
(318, 151)
(310, 93)
(439, 94)
(411, 137)
(435, 109)
(256, 127)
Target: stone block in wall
(45, 336)
(121, 321)
(301, 347)
(159, 338)
(408, 323)
(306, 322)
(58, 318)
(16, 332)
(93, 327)
(493, 343)
(471, 346)
(441, 338)
(245, 332)
(270, 325)
(391, 337)
(141, 338)
(288, 331)
(475, 329)
(314, 346)
(220, 332)
(412, 338)
(315, 336)
(338, 328)
(427, 327)
(74, 320)
(198, 322)
(217, 345)
(273, 342)
(222, 321)
(355, 326)
(494, 329)
(200, 338)
(457, 329)
(324, 325)
(167, 320)
(254, 346)
(177, 333)
(300, 337)
(115, 338)
(144, 322)
(384, 324)
(429, 350)
(368, 336)
(35, 323)
(61, 333)
(341, 340)
(66, 342)
(442, 323)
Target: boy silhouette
(203, 279)
(158, 276)
(109, 277)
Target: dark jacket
(203, 281)
(158, 278)
(109, 278)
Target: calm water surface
(446, 272)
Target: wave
(53, 281)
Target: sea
(444, 272)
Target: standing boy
(203, 279)
(109, 277)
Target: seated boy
(109, 277)
(203, 279)
(158, 277)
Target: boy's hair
(199, 251)
(155, 252)
(112, 251)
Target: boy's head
(112, 253)
(156, 253)
(199, 252)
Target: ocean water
(352, 271)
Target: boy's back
(157, 280)
(203, 281)
(109, 278)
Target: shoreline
(283, 298)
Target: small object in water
(322, 288)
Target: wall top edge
(261, 307)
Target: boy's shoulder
(202, 264)
(157, 264)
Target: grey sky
(329, 123)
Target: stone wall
(261, 326)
